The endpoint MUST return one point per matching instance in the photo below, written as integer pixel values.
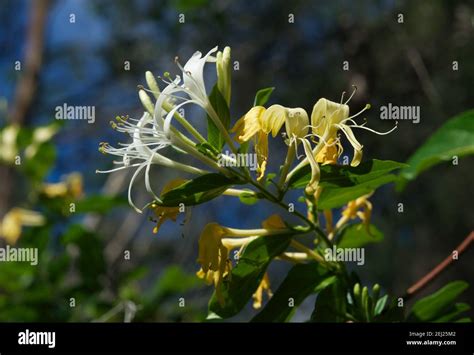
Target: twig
(419, 285)
(26, 88)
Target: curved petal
(193, 73)
(355, 144)
(130, 185)
(170, 115)
(273, 119)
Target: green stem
(290, 156)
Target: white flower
(142, 152)
(192, 84)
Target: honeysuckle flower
(264, 286)
(72, 187)
(8, 141)
(192, 84)
(328, 118)
(15, 220)
(216, 242)
(148, 138)
(258, 122)
(164, 213)
(330, 152)
(295, 119)
(359, 208)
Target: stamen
(366, 107)
(353, 93)
(342, 97)
(374, 131)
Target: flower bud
(146, 101)
(152, 84)
(224, 73)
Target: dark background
(406, 63)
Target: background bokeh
(83, 63)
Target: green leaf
(173, 281)
(455, 137)
(357, 235)
(91, 260)
(214, 135)
(343, 183)
(435, 305)
(454, 312)
(238, 287)
(330, 304)
(262, 96)
(99, 203)
(301, 281)
(380, 305)
(199, 190)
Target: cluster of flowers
(318, 134)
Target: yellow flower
(327, 119)
(216, 242)
(164, 213)
(258, 295)
(71, 187)
(258, 122)
(329, 153)
(360, 207)
(250, 126)
(15, 219)
(213, 257)
(8, 141)
(211, 249)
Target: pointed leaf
(199, 190)
(239, 286)
(301, 281)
